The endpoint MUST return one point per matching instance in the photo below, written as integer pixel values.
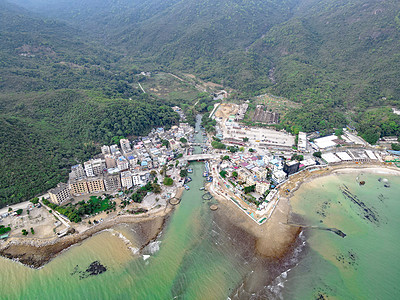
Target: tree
(183, 173)
(183, 140)
(233, 149)
(396, 147)
(339, 132)
(217, 145)
(19, 212)
(24, 232)
(241, 149)
(176, 163)
(10, 209)
(249, 189)
(35, 200)
(32, 231)
(153, 173)
(223, 173)
(245, 139)
(168, 181)
(251, 150)
(156, 188)
(235, 174)
(165, 143)
(226, 157)
(317, 154)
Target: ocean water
(193, 258)
(363, 265)
(200, 256)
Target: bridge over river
(199, 157)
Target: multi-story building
(114, 149)
(94, 167)
(291, 167)
(98, 166)
(262, 187)
(112, 182)
(88, 168)
(95, 184)
(110, 161)
(60, 194)
(122, 163)
(125, 146)
(77, 171)
(126, 179)
(136, 179)
(105, 150)
(78, 186)
(302, 141)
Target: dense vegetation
(65, 81)
(75, 212)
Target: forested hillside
(60, 99)
(339, 58)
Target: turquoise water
(364, 264)
(194, 258)
(200, 255)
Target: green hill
(338, 58)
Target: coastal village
(247, 165)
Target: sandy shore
(274, 238)
(37, 252)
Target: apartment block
(112, 182)
(126, 179)
(78, 186)
(110, 161)
(60, 194)
(105, 150)
(95, 184)
(77, 171)
(125, 146)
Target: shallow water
(194, 258)
(200, 256)
(364, 264)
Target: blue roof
(394, 152)
(144, 163)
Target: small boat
(202, 188)
(205, 174)
(186, 187)
(190, 170)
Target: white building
(77, 171)
(262, 187)
(279, 176)
(344, 156)
(330, 158)
(136, 180)
(105, 150)
(94, 167)
(126, 179)
(114, 149)
(122, 163)
(326, 142)
(125, 146)
(302, 141)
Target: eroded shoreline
(36, 253)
